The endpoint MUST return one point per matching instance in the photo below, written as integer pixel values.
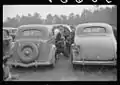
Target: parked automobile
(94, 44)
(32, 47)
(12, 32)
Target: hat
(56, 31)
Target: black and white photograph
(59, 42)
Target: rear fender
(44, 51)
(52, 53)
(114, 46)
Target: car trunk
(44, 51)
(96, 48)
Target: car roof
(82, 26)
(93, 24)
(50, 27)
(9, 28)
(33, 25)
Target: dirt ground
(64, 71)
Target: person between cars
(67, 37)
(6, 55)
(62, 41)
(7, 75)
(6, 42)
(59, 42)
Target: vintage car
(12, 32)
(94, 44)
(33, 47)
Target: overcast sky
(13, 10)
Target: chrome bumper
(95, 62)
(29, 65)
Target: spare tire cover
(27, 52)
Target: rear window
(94, 30)
(32, 33)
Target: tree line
(107, 15)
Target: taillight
(76, 49)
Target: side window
(26, 33)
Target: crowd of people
(63, 40)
